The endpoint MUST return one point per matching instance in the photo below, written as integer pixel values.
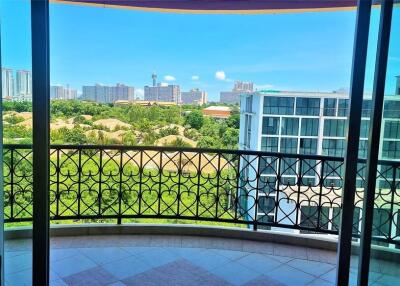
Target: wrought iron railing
(259, 189)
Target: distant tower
(154, 77)
(397, 92)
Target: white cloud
(139, 93)
(195, 77)
(220, 75)
(169, 78)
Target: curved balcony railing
(259, 189)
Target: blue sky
(306, 51)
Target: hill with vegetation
(78, 122)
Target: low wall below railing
(313, 241)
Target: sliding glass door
(16, 137)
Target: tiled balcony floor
(180, 260)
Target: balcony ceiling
(222, 6)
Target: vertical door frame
(1, 176)
(353, 138)
(374, 136)
(41, 148)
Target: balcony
(147, 259)
(229, 217)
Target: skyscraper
(24, 85)
(56, 92)
(8, 83)
(61, 92)
(154, 77)
(239, 88)
(194, 96)
(397, 92)
(161, 92)
(108, 94)
(243, 86)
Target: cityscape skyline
(20, 89)
(214, 51)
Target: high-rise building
(243, 86)
(308, 123)
(70, 93)
(154, 78)
(122, 92)
(7, 77)
(397, 92)
(194, 96)
(162, 92)
(61, 92)
(23, 85)
(108, 94)
(56, 92)
(239, 88)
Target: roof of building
(336, 94)
(145, 102)
(218, 108)
(317, 94)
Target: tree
(230, 138)
(80, 119)
(209, 142)
(233, 121)
(129, 138)
(195, 119)
(75, 136)
(191, 134)
(169, 131)
(178, 142)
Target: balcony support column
(41, 149)
(374, 136)
(353, 137)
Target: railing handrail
(202, 150)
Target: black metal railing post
(353, 138)
(374, 138)
(121, 170)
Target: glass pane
(308, 106)
(309, 127)
(289, 145)
(334, 127)
(384, 266)
(270, 126)
(279, 105)
(17, 131)
(330, 107)
(290, 126)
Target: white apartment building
(308, 123)
(194, 96)
(163, 93)
(61, 92)
(23, 85)
(7, 77)
(108, 94)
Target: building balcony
(229, 217)
(184, 255)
